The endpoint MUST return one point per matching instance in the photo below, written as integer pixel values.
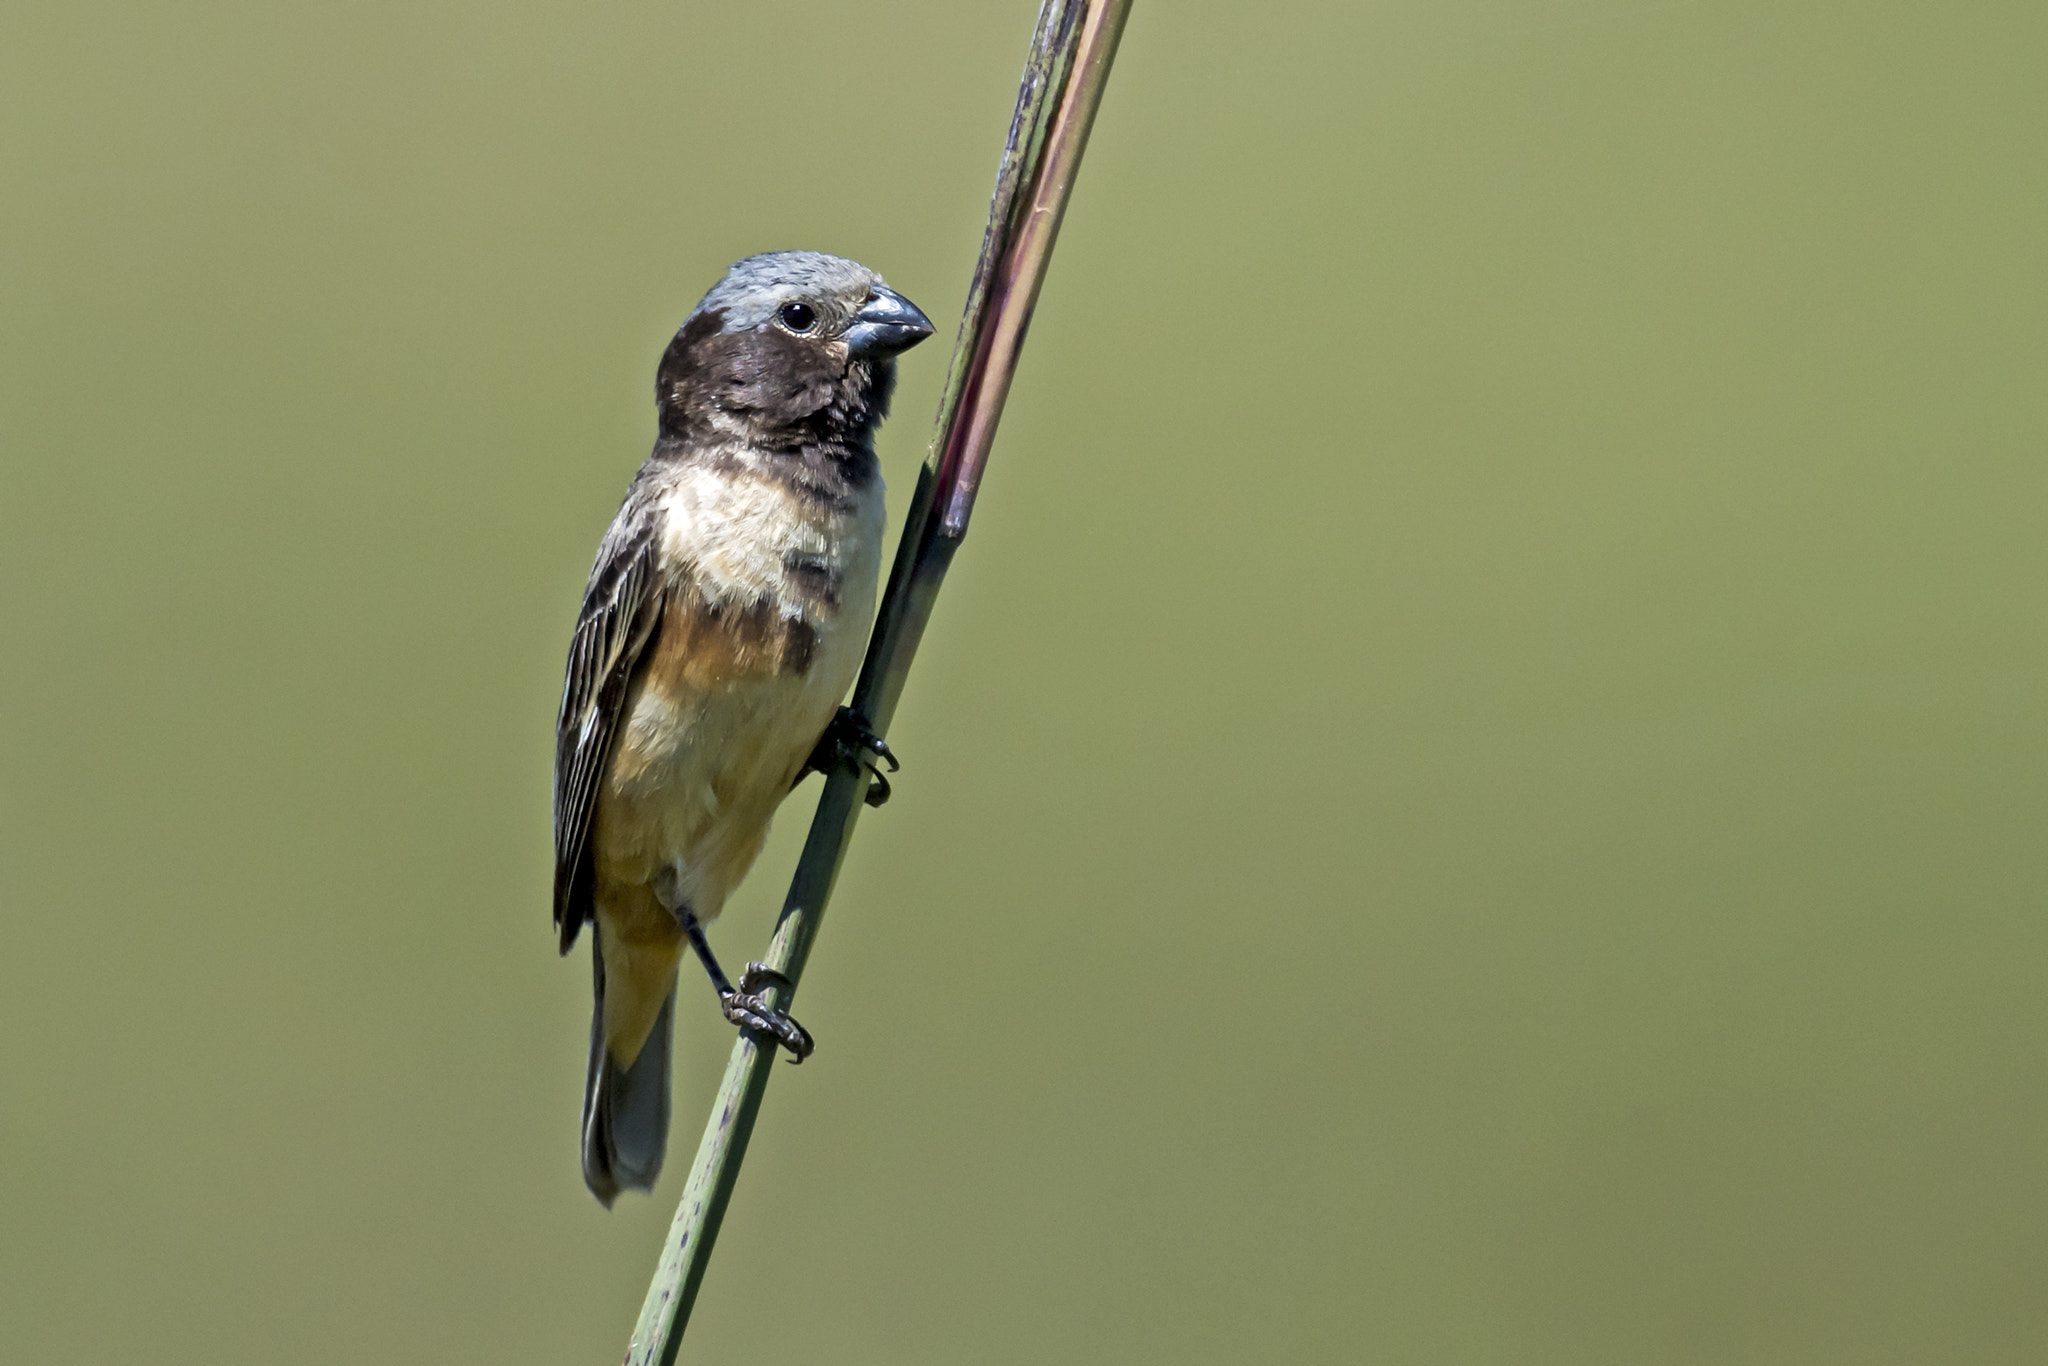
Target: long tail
(625, 1110)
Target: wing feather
(621, 608)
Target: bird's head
(790, 347)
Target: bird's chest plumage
(767, 597)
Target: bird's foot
(849, 743)
(750, 1010)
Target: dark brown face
(790, 349)
(762, 375)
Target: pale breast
(769, 598)
(745, 535)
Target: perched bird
(724, 619)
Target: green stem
(1063, 80)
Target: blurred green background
(1476, 795)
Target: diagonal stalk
(1064, 75)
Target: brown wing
(620, 609)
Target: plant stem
(1063, 80)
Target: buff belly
(723, 711)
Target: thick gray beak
(887, 323)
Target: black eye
(798, 317)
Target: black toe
(750, 1010)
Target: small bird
(725, 617)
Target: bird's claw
(749, 1008)
(848, 742)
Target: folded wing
(621, 608)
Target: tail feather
(625, 1110)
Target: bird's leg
(749, 1007)
(847, 743)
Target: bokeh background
(1476, 794)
